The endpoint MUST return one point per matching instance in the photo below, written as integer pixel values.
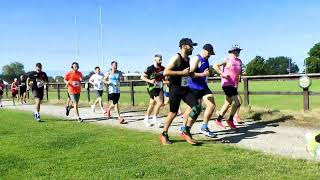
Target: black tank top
(175, 81)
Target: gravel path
(270, 137)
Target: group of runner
(112, 78)
(183, 79)
(186, 79)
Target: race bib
(184, 82)
(158, 84)
(40, 84)
(75, 83)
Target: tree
(256, 67)
(87, 77)
(313, 61)
(12, 70)
(51, 79)
(280, 65)
(59, 78)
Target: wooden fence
(245, 79)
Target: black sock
(318, 138)
(231, 118)
(164, 133)
(219, 118)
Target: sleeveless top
(179, 81)
(233, 70)
(199, 83)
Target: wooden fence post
(7, 91)
(47, 91)
(132, 92)
(58, 91)
(306, 105)
(88, 91)
(246, 92)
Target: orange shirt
(74, 78)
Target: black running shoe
(67, 111)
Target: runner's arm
(194, 64)
(168, 70)
(217, 67)
(106, 78)
(145, 78)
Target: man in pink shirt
(230, 73)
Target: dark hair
(114, 62)
(97, 67)
(75, 64)
(39, 65)
(158, 55)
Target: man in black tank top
(178, 71)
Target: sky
(44, 31)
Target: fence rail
(245, 79)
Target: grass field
(59, 149)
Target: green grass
(58, 149)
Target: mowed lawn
(279, 102)
(59, 149)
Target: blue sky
(135, 30)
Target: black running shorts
(181, 93)
(230, 91)
(114, 97)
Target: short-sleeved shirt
(23, 85)
(155, 73)
(38, 80)
(74, 78)
(97, 80)
(114, 79)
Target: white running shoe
(93, 108)
(156, 122)
(147, 122)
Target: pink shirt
(233, 69)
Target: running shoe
(80, 119)
(164, 139)
(208, 133)
(186, 135)
(231, 124)
(147, 122)
(156, 122)
(237, 119)
(312, 146)
(107, 112)
(67, 111)
(219, 124)
(93, 108)
(121, 120)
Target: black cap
(187, 41)
(209, 48)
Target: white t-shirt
(97, 80)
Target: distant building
(131, 76)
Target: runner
(199, 87)
(153, 75)
(97, 81)
(2, 87)
(39, 80)
(178, 71)
(14, 90)
(73, 81)
(23, 89)
(113, 78)
(232, 69)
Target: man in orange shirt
(73, 81)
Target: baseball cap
(187, 41)
(235, 48)
(209, 48)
